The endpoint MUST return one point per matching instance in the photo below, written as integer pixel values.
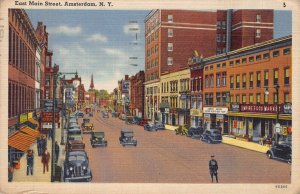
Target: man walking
(29, 158)
(213, 168)
(56, 151)
(45, 160)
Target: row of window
(20, 99)
(220, 80)
(221, 37)
(152, 37)
(153, 50)
(20, 55)
(154, 21)
(152, 76)
(153, 63)
(221, 24)
(259, 57)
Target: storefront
(215, 118)
(173, 117)
(196, 118)
(164, 108)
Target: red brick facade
(137, 94)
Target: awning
(21, 141)
(32, 123)
(29, 131)
(260, 115)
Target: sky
(109, 43)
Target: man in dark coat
(56, 151)
(45, 160)
(213, 169)
(30, 159)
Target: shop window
(287, 51)
(286, 76)
(251, 80)
(258, 83)
(258, 98)
(237, 82)
(266, 78)
(244, 81)
(275, 77)
(266, 55)
(275, 53)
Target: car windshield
(99, 135)
(76, 158)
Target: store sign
(30, 115)
(284, 131)
(207, 116)
(47, 117)
(196, 112)
(221, 117)
(215, 110)
(235, 107)
(23, 118)
(125, 87)
(167, 110)
(287, 108)
(49, 125)
(272, 108)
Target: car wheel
(269, 155)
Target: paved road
(163, 157)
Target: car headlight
(84, 167)
(71, 168)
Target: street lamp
(277, 109)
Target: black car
(79, 114)
(136, 120)
(97, 139)
(150, 126)
(195, 132)
(127, 138)
(76, 167)
(281, 152)
(211, 136)
(105, 115)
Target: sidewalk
(38, 176)
(244, 144)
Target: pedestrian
(45, 160)
(42, 145)
(30, 159)
(56, 151)
(213, 168)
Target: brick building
(172, 35)
(137, 94)
(235, 86)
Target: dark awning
(21, 141)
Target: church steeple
(92, 83)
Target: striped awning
(260, 115)
(21, 141)
(29, 131)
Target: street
(163, 157)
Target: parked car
(87, 127)
(91, 114)
(122, 117)
(73, 125)
(126, 138)
(74, 131)
(105, 114)
(144, 122)
(115, 114)
(150, 126)
(211, 136)
(74, 145)
(136, 120)
(97, 139)
(195, 132)
(79, 114)
(281, 152)
(76, 167)
(160, 126)
(75, 137)
(72, 120)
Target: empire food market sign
(215, 110)
(260, 108)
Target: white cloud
(131, 28)
(65, 30)
(116, 52)
(97, 38)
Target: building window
(266, 78)
(224, 98)
(275, 98)
(218, 66)
(218, 25)
(266, 55)
(231, 98)
(286, 97)
(219, 51)
(218, 80)
(237, 62)
(237, 98)
(286, 76)
(275, 77)
(211, 99)
(258, 57)
(258, 79)
(223, 65)
(244, 60)
(206, 81)
(251, 59)
(206, 68)
(170, 18)
(223, 37)
(251, 80)
(231, 82)
(224, 50)
(258, 18)
(211, 67)
(211, 80)
(275, 53)
(218, 99)
(258, 98)
(170, 32)
(170, 46)
(237, 81)
(258, 33)
(250, 98)
(218, 37)
(244, 81)
(231, 63)
(223, 24)
(170, 60)
(224, 79)
(244, 98)
(287, 51)
(266, 98)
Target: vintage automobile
(97, 139)
(76, 167)
(126, 138)
(211, 136)
(150, 126)
(122, 117)
(281, 152)
(136, 120)
(72, 120)
(74, 131)
(143, 122)
(105, 114)
(75, 137)
(115, 114)
(72, 125)
(129, 120)
(195, 132)
(79, 114)
(74, 145)
(160, 126)
(87, 127)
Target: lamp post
(277, 110)
(53, 162)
